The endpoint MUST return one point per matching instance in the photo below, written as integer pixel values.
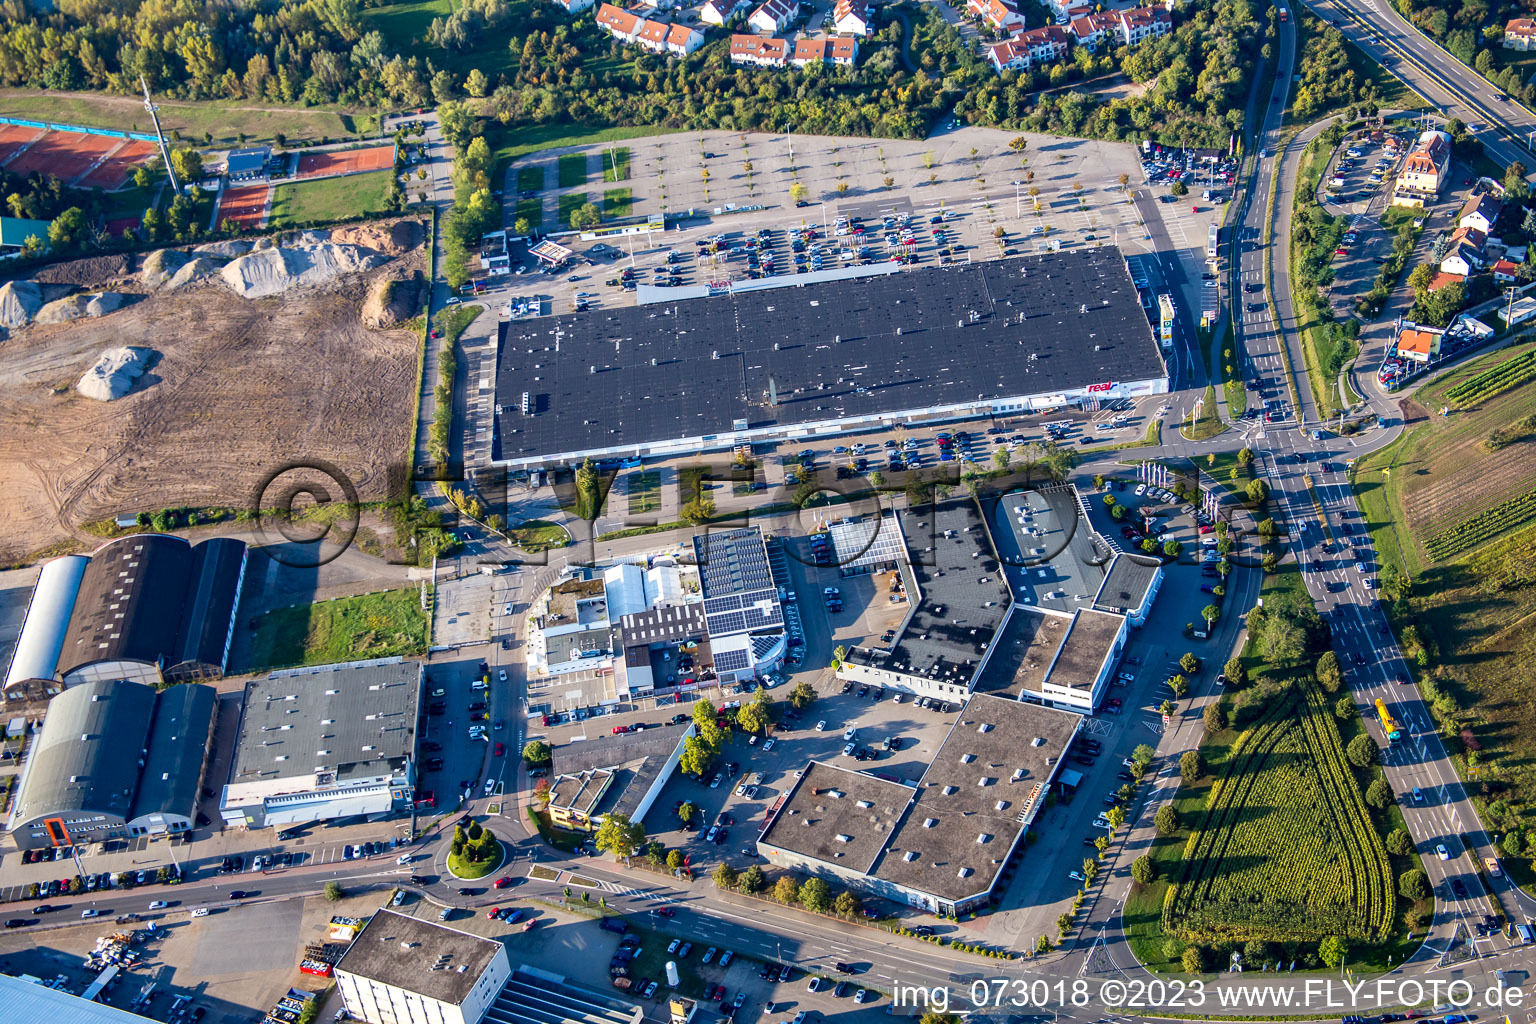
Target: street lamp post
(1018, 208)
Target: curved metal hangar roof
(836, 350)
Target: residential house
(1043, 45)
(656, 36)
(999, 14)
(1093, 28)
(663, 5)
(682, 40)
(1008, 55)
(718, 12)
(573, 6)
(759, 52)
(1519, 34)
(1465, 255)
(851, 17)
(1506, 272)
(1441, 279)
(775, 15)
(1419, 344)
(1480, 211)
(842, 52)
(618, 22)
(1138, 24)
(1424, 170)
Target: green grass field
(573, 170)
(330, 199)
(539, 535)
(381, 625)
(224, 121)
(530, 179)
(618, 202)
(404, 25)
(616, 163)
(508, 144)
(531, 210)
(644, 492)
(569, 202)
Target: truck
(1285, 15)
(1213, 237)
(1388, 723)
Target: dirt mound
(228, 250)
(160, 265)
(393, 299)
(74, 307)
(115, 372)
(393, 237)
(193, 271)
(96, 270)
(277, 270)
(19, 303)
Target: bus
(1212, 237)
(1388, 723)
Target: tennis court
(13, 137)
(114, 171)
(65, 155)
(245, 207)
(347, 161)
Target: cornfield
(1495, 380)
(1286, 850)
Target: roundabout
(474, 852)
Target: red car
(531, 924)
(663, 911)
(503, 882)
(620, 730)
(493, 913)
(501, 748)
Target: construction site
(188, 376)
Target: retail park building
(821, 354)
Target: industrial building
(606, 775)
(148, 607)
(943, 844)
(29, 999)
(771, 361)
(404, 970)
(324, 742)
(1015, 595)
(115, 759)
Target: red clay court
(243, 206)
(13, 137)
(117, 168)
(347, 161)
(66, 155)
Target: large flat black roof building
(1025, 333)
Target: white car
(1076, 876)
(490, 786)
(1443, 853)
(199, 912)
(404, 858)
(160, 904)
(1141, 489)
(821, 726)
(849, 749)
(768, 745)
(849, 733)
(93, 913)
(502, 675)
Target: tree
(802, 696)
(752, 880)
(698, 511)
(333, 891)
(1214, 718)
(619, 836)
(1042, 945)
(1329, 676)
(1515, 186)
(1235, 672)
(1245, 457)
(798, 192)
(1378, 794)
(587, 215)
(1512, 844)
(1116, 817)
(786, 890)
(188, 165)
(68, 229)
(686, 811)
(1344, 710)
(1178, 188)
(1257, 490)
(1413, 884)
(1144, 755)
(1191, 766)
(1018, 143)
(1166, 820)
(697, 755)
(1172, 548)
(1143, 870)
(753, 716)
(1189, 663)
(1332, 950)
(1179, 684)
(1167, 708)
(1362, 751)
(536, 752)
(675, 860)
(475, 84)
(1193, 960)
(816, 895)
(1210, 613)
(847, 904)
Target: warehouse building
(29, 999)
(324, 742)
(944, 844)
(149, 607)
(815, 360)
(115, 759)
(404, 970)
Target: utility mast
(154, 115)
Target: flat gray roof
(379, 954)
(1089, 642)
(611, 751)
(24, 1000)
(1023, 652)
(843, 818)
(1062, 563)
(928, 338)
(986, 782)
(358, 718)
(1130, 577)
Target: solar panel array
(739, 591)
(732, 661)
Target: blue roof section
(247, 161)
(14, 231)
